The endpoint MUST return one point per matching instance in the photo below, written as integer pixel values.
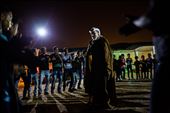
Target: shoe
(74, 89)
(35, 96)
(79, 87)
(52, 92)
(39, 95)
(70, 90)
(60, 92)
(46, 93)
(64, 88)
(29, 96)
(25, 98)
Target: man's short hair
(64, 49)
(43, 48)
(5, 9)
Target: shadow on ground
(84, 108)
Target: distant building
(135, 49)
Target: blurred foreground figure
(10, 55)
(100, 81)
(7, 91)
(157, 20)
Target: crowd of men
(67, 69)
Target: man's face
(79, 53)
(94, 34)
(6, 19)
(56, 50)
(66, 51)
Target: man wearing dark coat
(100, 79)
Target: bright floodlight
(42, 32)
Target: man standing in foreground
(100, 81)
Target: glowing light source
(42, 32)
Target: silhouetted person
(137, 68)
(44, 71)
(7, 88)
(57, 73)
(68, 71)
(149, 62)
(155, 64)
(129, 66)
(143, 67)
(11, 54)
(100, 71)
(123, 65)
(157, 19)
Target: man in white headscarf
(99, 77)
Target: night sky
(68, 22)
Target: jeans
(57, 74)
(35, 79)
(43, 73)
(68, 72)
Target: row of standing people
(67, 69)
(144, 68)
